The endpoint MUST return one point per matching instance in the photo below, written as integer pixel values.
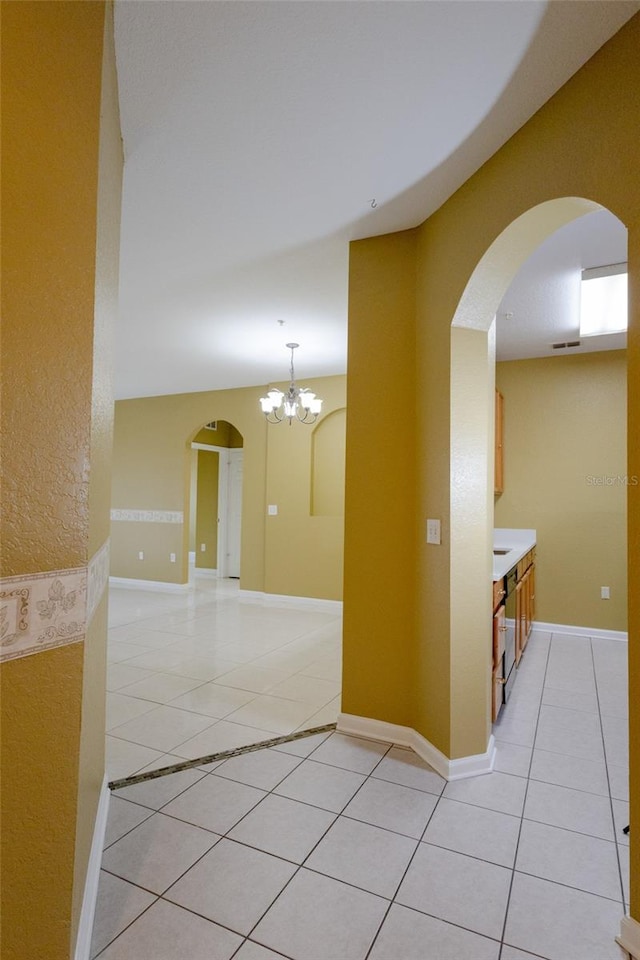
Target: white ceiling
(260, 137)
(542, 304)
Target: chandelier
(297, 402)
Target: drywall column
(56, 410)
(380, 501)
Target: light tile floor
(196, 673)
(339, 848)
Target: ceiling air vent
(565, 344)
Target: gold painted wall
(207, 509)
(327, 466)
(380, 502)
(582, 143)
(152, 470)
(565, 434)
(59, 218)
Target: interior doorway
(215, 525)
(472, 424)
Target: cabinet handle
(500, 680)
(503, 629)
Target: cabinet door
(520, 641)
(499, 630)
(498, 483)
(497, 688)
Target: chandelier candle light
(297, 402)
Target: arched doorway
(215, 515)
(471, 457)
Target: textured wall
(51, 93)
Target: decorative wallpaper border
(97, 579)
(41, 611)
(148, 516)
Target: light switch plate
(433, 531)
(272, 510)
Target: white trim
(92, 879)
(192, 557)
(629, 937)
(594, 632)
(278, 599)
(159, 585)
(472, 766)
(212, 446)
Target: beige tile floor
(193, 674)
(339, 848)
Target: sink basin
(502, 551)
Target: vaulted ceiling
(261, 137)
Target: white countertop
(516, 542)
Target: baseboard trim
(92, 881)
(277, 599)
(594, 632)
(159, 585)
(629, 937)
(472, 766)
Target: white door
(234, 513)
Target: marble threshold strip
(221, 755)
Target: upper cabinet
(499, 466)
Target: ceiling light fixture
(603, 300)
(297, 402)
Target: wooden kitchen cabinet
(499, 630)
(525, 601)
(498, 483)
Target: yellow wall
(152, 470)
(225, 435)
(327, 466)
(565, 430)
(400, 664)
(58, 217)
(207, 510)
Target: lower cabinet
(521, 617)
(499, 630)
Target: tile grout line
(606, 767)
(524, 802)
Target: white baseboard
(158, 585)
(408, 737)
(92, 880)
(629, 937)
(594, 632)
(277, 599)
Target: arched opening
(215, 500)
(472, 443)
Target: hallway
(339, 848)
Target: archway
(471, 463)
(215, 497)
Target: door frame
(225, 456)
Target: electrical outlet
(172, 557)
(433, 531)
(605, 593)
(203, 548)
(141, 555)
